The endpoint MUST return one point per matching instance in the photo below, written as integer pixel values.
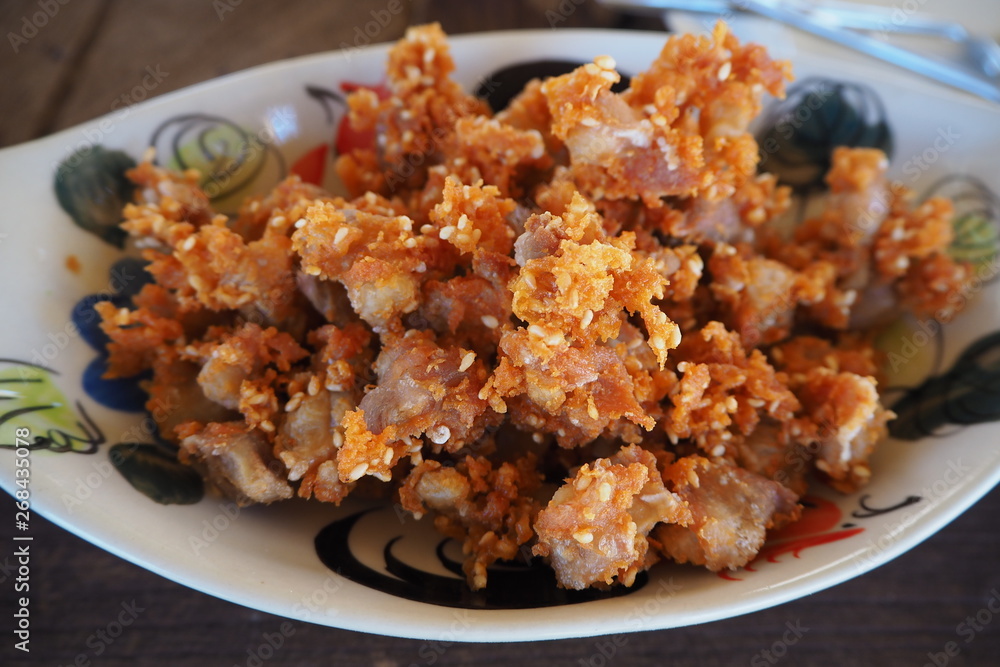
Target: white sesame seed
(605, 62)
(718, 450)
(446, 232)
(467, 361)
(387, 457)
(439, 434)
(490, 322)
(340, 235)
(588, 317)
(725, 70)
(536, 330)
(604, 492)
(358, 472)
(583, 536)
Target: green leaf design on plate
(30, 399)
(92, 188)
(228, 157)
(968, 393)
(977, 239)
(154, 472)
(910, 350)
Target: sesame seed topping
(357, 472)
(467, 361)
(439, 434)
(604, 492)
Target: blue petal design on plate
(88, 322)
(129, 276)
(118, 394)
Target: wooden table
(86, 55)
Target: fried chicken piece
(422, 390)
(529, 110)
(681, 128)
(489, 509)
(558, 374)
(241, 356)
(169, 205)
(735, 219)
(503, 155)
(575, 281)
(778, 452)
(379, 260)
(175, 396)
(137, 336)
(731, 511)
(912, 234)
(757, 296)
(236, 461)
(800, 354)
(936, 286)
(312, 431)
(594, 529)
(723, 392)
(474, 218)
(278, 211)
(414, 122)
(221, 271)
(466, 311)
(308, 440)
(842, 414)
(576, 393)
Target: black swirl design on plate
(229, 157)
(511, 586)
(801, 132)
(967, 394)
(866, 511)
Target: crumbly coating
(731, 510)
(489, 508)
(587, 286)
(594, 529)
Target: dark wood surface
(90, 53)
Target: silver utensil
(840, 22)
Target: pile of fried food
(567, 328)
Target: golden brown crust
(588, 285)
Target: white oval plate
(265, 557)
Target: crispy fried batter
(503, 302)
(731, 510)
(490, 509)
(594, 529)
(238, 462)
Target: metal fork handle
(914, 62)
